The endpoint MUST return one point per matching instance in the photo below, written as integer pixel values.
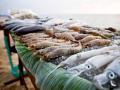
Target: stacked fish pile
(89, 52)
(62, 44)
(63, 39)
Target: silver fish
(82, 56)
(94, 64)
(110, 78)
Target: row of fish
(73, 42)
(55, 42)
(101, 66)
(51, 47)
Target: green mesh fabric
(46, 77)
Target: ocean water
(97, 20)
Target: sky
(62, 6)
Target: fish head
(89, 72)
(107, 80)
(80, 69)
(113, 73)
(101, 81)
(114, 79)
(89, 66)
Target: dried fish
(80, 36)
(94, 32)
(34, 42)
(47, 43)
(76, 28)
(65, 35)
(51, 31)
(73, 32)
(35, 35)
(63, 52)
(44, 44)
(60, 41)
(89, 38)
(34, 39)
(51, 48)
(97, 42)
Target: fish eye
(111, 75)
(88, 66)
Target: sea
(96, 20)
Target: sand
(5, 69)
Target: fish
(97, 42)
(12, 23)
(89, 38)
(110, 78)
(103, 32)
(111, 29)
(56, 29)
(80, 36)
(63, 52)
(32, 35)
(96, 32)
(75, 28)
(82, 56)
(65, 35)
(60, 41)
(73, 32)
(43, 44)
(10, 26)
(93, 65)
(29, 29)
(51, 48)
(19, 26)
(34, 40)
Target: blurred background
(62, 6)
